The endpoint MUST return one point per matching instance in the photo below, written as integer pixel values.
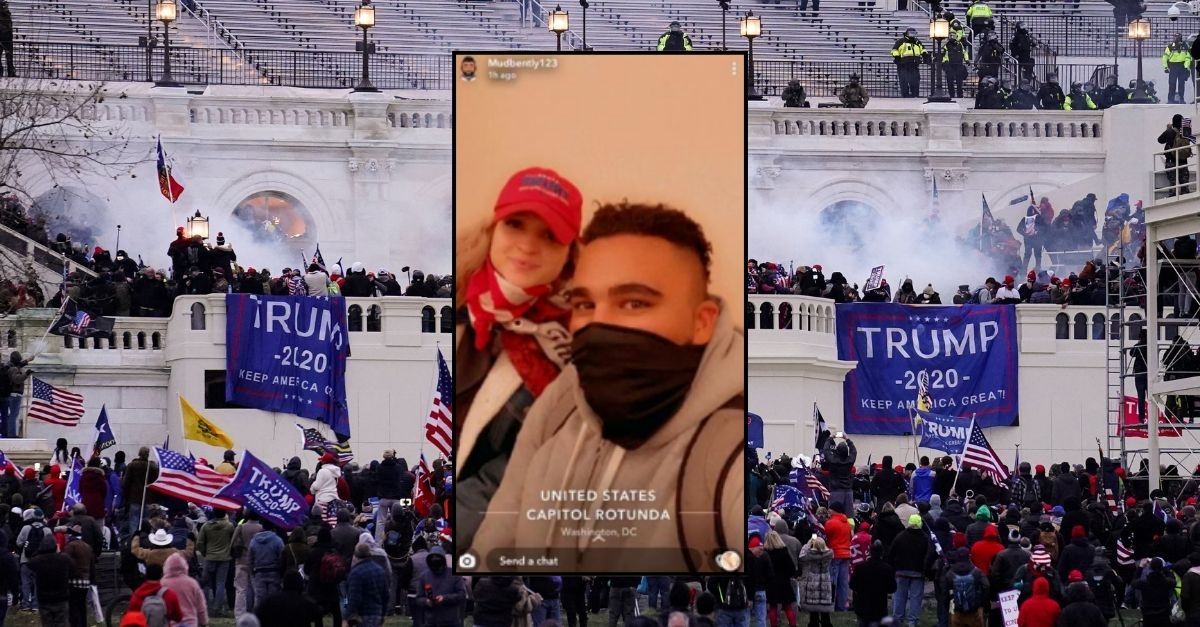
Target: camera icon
(467, 561)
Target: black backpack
(735, 594)
(33, 541)
(674, 41)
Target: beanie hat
(983, 513)
(914, 522)
(1040, 469)
(1040, 557)
(755, 542)
(1078, 532)
(1032, 276)
(1014, 535)
(1074, 576)
(220, 238)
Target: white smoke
(797, 235)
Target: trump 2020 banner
(263, 491)
(288, 354)
(969, 354)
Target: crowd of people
(125, 286)
(1077, 542)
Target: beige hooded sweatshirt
(562, 471)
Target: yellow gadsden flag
(201, 429)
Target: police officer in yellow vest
(979, 16)
(675, 39)
(908, 53)
(1078, 100)
(1177, 63)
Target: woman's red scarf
(492, 300)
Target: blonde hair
(472, 251)
(817, 544)
(774, 541)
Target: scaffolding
(1139, 293)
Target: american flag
(6, 464)
(785, 496)
(54, 405)
(440, 424)
(80, 322)
(1110, 499)
(977, 453)
(329, 514)
(1124, 554)
(312, 440)
(185, 478)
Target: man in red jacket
(151, 587)
(837, 533)
(57, 485)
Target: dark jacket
(439, 581)
(1080, 610)
(495, 598)
(367, 590)
(886, 485)
(1065, 485)
(137, 474)
(839, 459)
(908, 551)
(871, 583)
(1050, 96)
(296, 475)
(52, 570)
(393, 479)
(1077, 556)
(1005, 567)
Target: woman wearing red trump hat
(511, 338)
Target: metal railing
(1082, 35)
(879, 78)
(1173, 175)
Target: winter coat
(1189, 596)
(192, 605)
(296, 475)
(984, 551)
(324, 486)
(908, 552)
(368, 593)
(1078, 555)
(837, 533)
(394, 480)
(922, 484)
(317, 284)
(816, 589)
(886, 485)
(839, 459)
(266, 551)
(1080, 610)
(1005, 567)
(1039, 610)
(215, 539)
(780, 590)
(887, 525)
(450, 587)
(1065, 485)
(1157, 590)
(871, 583)
(956, 515)
(137, 474)
(93, 490)
(158, 555)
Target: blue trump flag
(944, 433)
(288, 354)
(261, 490)
(785, 496)
(969, 354)
(72, 495)
(754, 430)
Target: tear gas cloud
(853, 238)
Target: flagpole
(958, 477)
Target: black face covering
(634, 380)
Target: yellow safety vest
(957, 36)
(1087, 102)
(1176, 55)
(979, 10)
(906, 50)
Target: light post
(1139, 31)
(724, 10)
(558, 24)
(197, 225)
(166, 12)
(939, 30)
(364, 18)
(751, 27)
(584, 4)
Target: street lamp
(751, 27)
(558, 24)
(584, 4)
(197, 225)
(1139, 31)
(364, 18)
(166, 12)
(724, 10)
(939, 30)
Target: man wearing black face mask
(645, 428)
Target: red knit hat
(1130, 502)
(1040, 468)
(1078, 532)
(755, 542)
(1032, 276)
(1008, 279)
(1120, 472)
(1074, 576)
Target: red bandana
(490, 300)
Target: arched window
(428, 321)
(785, 315)
(354, 318)
(750, 315)
(374, 319)
(156, 340)
(275, 216)
(766, 316)
(1081, 326)
(1062, 327)
(11, 339)
(198, 317)
(447, 319)
(1098, 326)
(127, 340)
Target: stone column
(370, 166)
